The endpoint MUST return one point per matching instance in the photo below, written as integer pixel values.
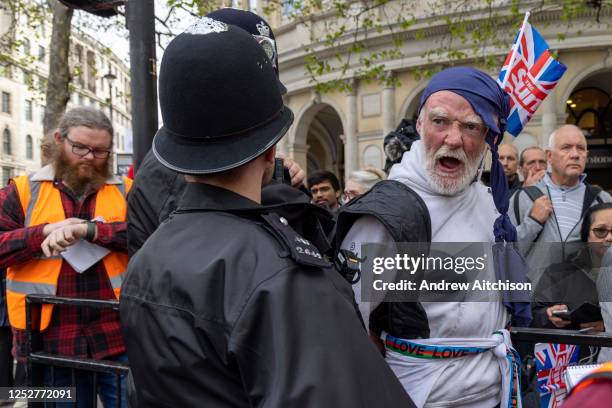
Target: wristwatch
(91, 231)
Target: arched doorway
(320, 130)
(412, 103)
(589, 107)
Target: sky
(111, 32)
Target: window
(372, 156)
(28, 110)
(91, 71)
(6, 141)
(41, 53)
(26, 46)
(29, 148)
(27, 78)
(590, 109)
(6, 102)
(7, 173)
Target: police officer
(226, 305)
(157, 188)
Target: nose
(89, 156)
(454, 137)
(574, 153)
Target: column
(388, 108)
(299, 153)
(351, 148)
(549, 118)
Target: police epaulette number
(302, 251)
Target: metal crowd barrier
(35, 357)
(529, 335)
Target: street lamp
(110, 77)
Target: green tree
(477, 31)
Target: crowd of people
(238, 277)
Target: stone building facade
(343, 132)
(100, 79)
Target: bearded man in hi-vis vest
(45, 217)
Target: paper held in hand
(83, 255)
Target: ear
(57, 137)
(269, 156)
(548, 155)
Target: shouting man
(432, 195)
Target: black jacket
(567, 283)
(514, 185)
(157, 190)
(226, 306)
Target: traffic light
(101, 8)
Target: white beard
(442, 183)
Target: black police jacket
(405, 216)
(226, 306)
(157, 190)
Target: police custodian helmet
(220, 100)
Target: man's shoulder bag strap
(590, 194)
(532, 192)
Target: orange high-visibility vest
(41, 203)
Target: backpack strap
(532, 192)
(590, 194)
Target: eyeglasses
(82, 151)
(269, 46)
(601, 232)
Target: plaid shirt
(73, 331)
(3, 312)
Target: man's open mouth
(449, 164)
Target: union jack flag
(529, 74)
(551, 362)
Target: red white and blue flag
(551, 363)
(529, 74)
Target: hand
(49, 228)
(295, 171)
(596, 326)
(541, 210)
(534, 177)
(62, 238)
(557, 321)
